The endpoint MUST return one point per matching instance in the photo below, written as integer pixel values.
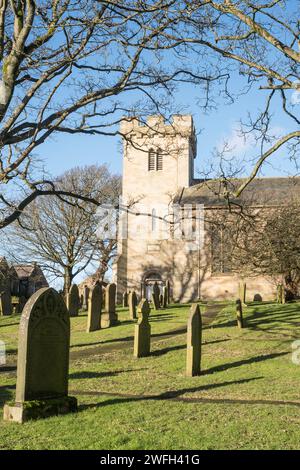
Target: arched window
(159, 160)
(151, 160)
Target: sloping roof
(261, 191)
(24, 270)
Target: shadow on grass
(6, 393)
(85, 374)
(9, 324)
(170, 395)
(251, 360)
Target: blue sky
(66, 151)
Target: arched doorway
(148, 281)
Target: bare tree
(61, 235)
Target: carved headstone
(43, 359)
(125, 299)
(5, 302)
(132, 302)
(109, 317)
(142, 331)
(94, 308)
(73, 301)
(239, 314)
(194, 340)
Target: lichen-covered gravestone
(94, 308)
(5, 303)
(194, 340)
(155, 296)
(142, 331)
(43, 359)
(125, 299)
(73, 301)
(109, 317)
(132, 303)
(239, 314)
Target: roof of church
(261, 191)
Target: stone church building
(159, 184)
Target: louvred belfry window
(151, 160)
(159, 160)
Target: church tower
(158, 158)
(158, 162)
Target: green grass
(246, 398)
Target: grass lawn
(246, 398)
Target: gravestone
(125, 299)
(168, 292)
(6, 302)
(239, 314)
(155, 296)
(242, 292)
(142, 331)
(194, 340)
(43, 359)
(73, 301)
(86, 293)
(280, 294)
(161, 300)
(109, 317)
(94, 308)
(132, 302)
(165, 297)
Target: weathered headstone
(165, 297)
(109, 317)
(94, 308)
(132, 303)
(125, 299)
(142, 331)
(239, 314)
(5, 303)
(194, 340)
(43, 359)
(73, 301)
(155, 296)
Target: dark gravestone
(168, 292)
(94, 308)
(194, 340)
(132, 302)
(155, 296)
(161, 300)
(73, 301)
(257, 298)
(86, 292)
(165, 297)
(239, 314)
(109, 317)
(142, 331)
(125, 299)
(5, 302)
(43, 359)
